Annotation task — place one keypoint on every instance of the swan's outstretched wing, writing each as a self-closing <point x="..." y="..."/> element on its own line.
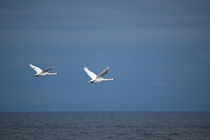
<point x="90" y="73"/>
<point x="46" y="70"/>
<point x="37" y="69"/>
<point x="105" y="71"/>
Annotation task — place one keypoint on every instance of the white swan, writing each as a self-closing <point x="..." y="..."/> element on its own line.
<point x="40" y="72"/>
<point x="97" y="78"/>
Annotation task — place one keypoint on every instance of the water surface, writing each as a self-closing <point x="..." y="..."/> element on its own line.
<point x="104" y="125"/>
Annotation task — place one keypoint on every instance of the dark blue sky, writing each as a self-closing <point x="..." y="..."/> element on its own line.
<point x="159" y="52"/>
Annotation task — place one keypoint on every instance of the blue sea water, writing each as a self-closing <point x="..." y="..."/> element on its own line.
<point x="105" y="125"/>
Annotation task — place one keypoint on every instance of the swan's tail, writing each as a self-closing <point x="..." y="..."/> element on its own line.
<point x="91" y="81"/>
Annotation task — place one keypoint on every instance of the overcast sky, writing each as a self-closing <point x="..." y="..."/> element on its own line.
<point x="158" y="51"/>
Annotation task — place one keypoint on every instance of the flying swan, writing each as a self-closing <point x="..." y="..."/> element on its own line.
<point x="40" y="72"/>
<point x="97" y="78"/>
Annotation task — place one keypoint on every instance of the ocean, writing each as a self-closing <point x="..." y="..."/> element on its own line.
<point x="105" y="126"/>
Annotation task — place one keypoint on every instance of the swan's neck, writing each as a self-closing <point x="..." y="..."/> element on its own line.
<point x="110" y="79"/>
<point x="52" y="73"/>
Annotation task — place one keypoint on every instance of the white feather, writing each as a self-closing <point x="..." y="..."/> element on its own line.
<point x="97" y="78"/>
<point x="37" y="69"/>
<point x="90" y="73"/>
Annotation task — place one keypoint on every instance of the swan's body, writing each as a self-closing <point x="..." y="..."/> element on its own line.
<point x="40" y="72"/>
<point x="97" y="78"/>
